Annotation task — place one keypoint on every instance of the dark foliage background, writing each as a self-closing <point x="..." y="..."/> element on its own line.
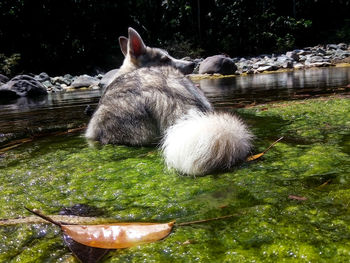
<point x="79" y="36"/>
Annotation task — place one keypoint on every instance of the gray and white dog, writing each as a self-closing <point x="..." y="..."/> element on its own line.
<point x="152" y="101"/>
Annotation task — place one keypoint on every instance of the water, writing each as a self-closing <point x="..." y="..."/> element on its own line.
<point x="261" y="88"/>
<point x="27" y="117"/>
<point x="57" y="111"/>
<point x="132" y="183"/>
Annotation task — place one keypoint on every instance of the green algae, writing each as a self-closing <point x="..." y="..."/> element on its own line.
<point x="133" y="184"/>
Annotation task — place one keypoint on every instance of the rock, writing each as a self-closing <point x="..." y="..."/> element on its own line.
<point x="284" y="61"/>
<point x="343" y="46"/>
<point x="68" y="76"/>
<point x="303" y="52"/>
<point x="3" y="79"/>
<point x="218" y="64"/>
<point x="42" y="77"/>
<point x="313" y="59"/>
<point x="197" y="61"/>
<point x="47" y="84"/>
<point x="84" y="81"/>
<point x="22" y="86"/>
<point x="298" y="66"/>
<point x="62" y="80"/>
<point x="332" y="46"/>
<point x="266" y="68"/>
<point x="293" y="55"/>
<point x="108" y="78"/>
<point x="318" y="64"/>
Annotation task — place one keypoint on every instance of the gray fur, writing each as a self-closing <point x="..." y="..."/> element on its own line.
<point x="138" y="106"/>
<point x="151" y="101"/>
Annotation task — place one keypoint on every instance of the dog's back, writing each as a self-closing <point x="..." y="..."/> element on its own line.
<point x="151" y="100"/>
<point x="139" y="106"/>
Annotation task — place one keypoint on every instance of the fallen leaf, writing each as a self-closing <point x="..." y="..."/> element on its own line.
<point x="84" y="253"/>
<point x="113" y="236"/>
<point x="121" y="235"/>
<point x="257" y="156"/>
<point x="254" y="157"/>
<point x="299" y="198"/>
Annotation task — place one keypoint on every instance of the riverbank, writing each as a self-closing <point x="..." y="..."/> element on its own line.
<point x="299" y="59"/>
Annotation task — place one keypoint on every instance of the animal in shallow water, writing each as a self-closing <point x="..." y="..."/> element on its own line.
<point x="151" y="101"/>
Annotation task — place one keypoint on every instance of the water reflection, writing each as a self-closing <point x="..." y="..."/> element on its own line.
<point x="276" y="86"/>
<point x="25" y="117"/>
<point x="66" y="109"/>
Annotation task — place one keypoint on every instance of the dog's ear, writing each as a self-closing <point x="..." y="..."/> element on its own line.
<point x="135" y="44"/>
<point x="123" y="43"/>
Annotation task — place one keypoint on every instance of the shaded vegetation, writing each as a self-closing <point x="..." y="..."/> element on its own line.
<point x="82" y="36"/>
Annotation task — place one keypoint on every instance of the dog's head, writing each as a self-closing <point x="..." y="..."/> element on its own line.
<point x="138" y="55"/>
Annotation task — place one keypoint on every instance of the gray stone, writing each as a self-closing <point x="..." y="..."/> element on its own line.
<point x="332" y="46"/>
<point x="319" y="64"/>
<point x="267" y="68"/>
<point x="343" y="46"/>
<point x="293" y="55"/>
<point x="108" y="78"/>
<point x="298" y="66"/>
<point x="218" y="64"/>
<point x="61" y="80"/>
<point x="47" y="83"/>
<point x="84" y="81"/>
<point x="3" y="79"/>
<point x="22" y="86"/>
<point x="313" y="59"/>
<point x="68" y="76"/>
<point x="42" y="77"/>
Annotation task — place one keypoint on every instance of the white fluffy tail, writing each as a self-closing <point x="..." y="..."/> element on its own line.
<point x="201" y="143"/>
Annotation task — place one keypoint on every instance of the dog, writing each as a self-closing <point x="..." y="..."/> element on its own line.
<point x="152" y="101"/>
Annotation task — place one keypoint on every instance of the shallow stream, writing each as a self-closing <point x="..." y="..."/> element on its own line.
<point x="293" y="204"/>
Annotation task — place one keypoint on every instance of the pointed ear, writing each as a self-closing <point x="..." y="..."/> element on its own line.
<point x="136" y="45"/>
<point x="123" y="43"/>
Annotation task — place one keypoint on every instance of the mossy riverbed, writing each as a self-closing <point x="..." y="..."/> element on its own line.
<point x="292" y="205"/>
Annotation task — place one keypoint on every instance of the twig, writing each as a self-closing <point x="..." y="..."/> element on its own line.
<point x="206" y="220"/>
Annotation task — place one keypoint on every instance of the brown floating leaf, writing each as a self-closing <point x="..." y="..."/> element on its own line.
<point x="257" y="156"/>
<point x="120" y="235"/>
<point x="299" y="198"/>
<point x="113" y="236"/>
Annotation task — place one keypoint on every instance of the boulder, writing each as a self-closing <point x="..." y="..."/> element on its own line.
<point x="22" y="86"/>
<point x="218" y="64"/>
<point x="293" y="55"/>
<point x="266" y="68"/>
<point x="42" y="77"/>
<point x="3" y="79"/>
<point x="61" y="80"/>
<point x="84" y="81"/>
<point x="298" y="66"/>
<point x="108" y="78"/>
